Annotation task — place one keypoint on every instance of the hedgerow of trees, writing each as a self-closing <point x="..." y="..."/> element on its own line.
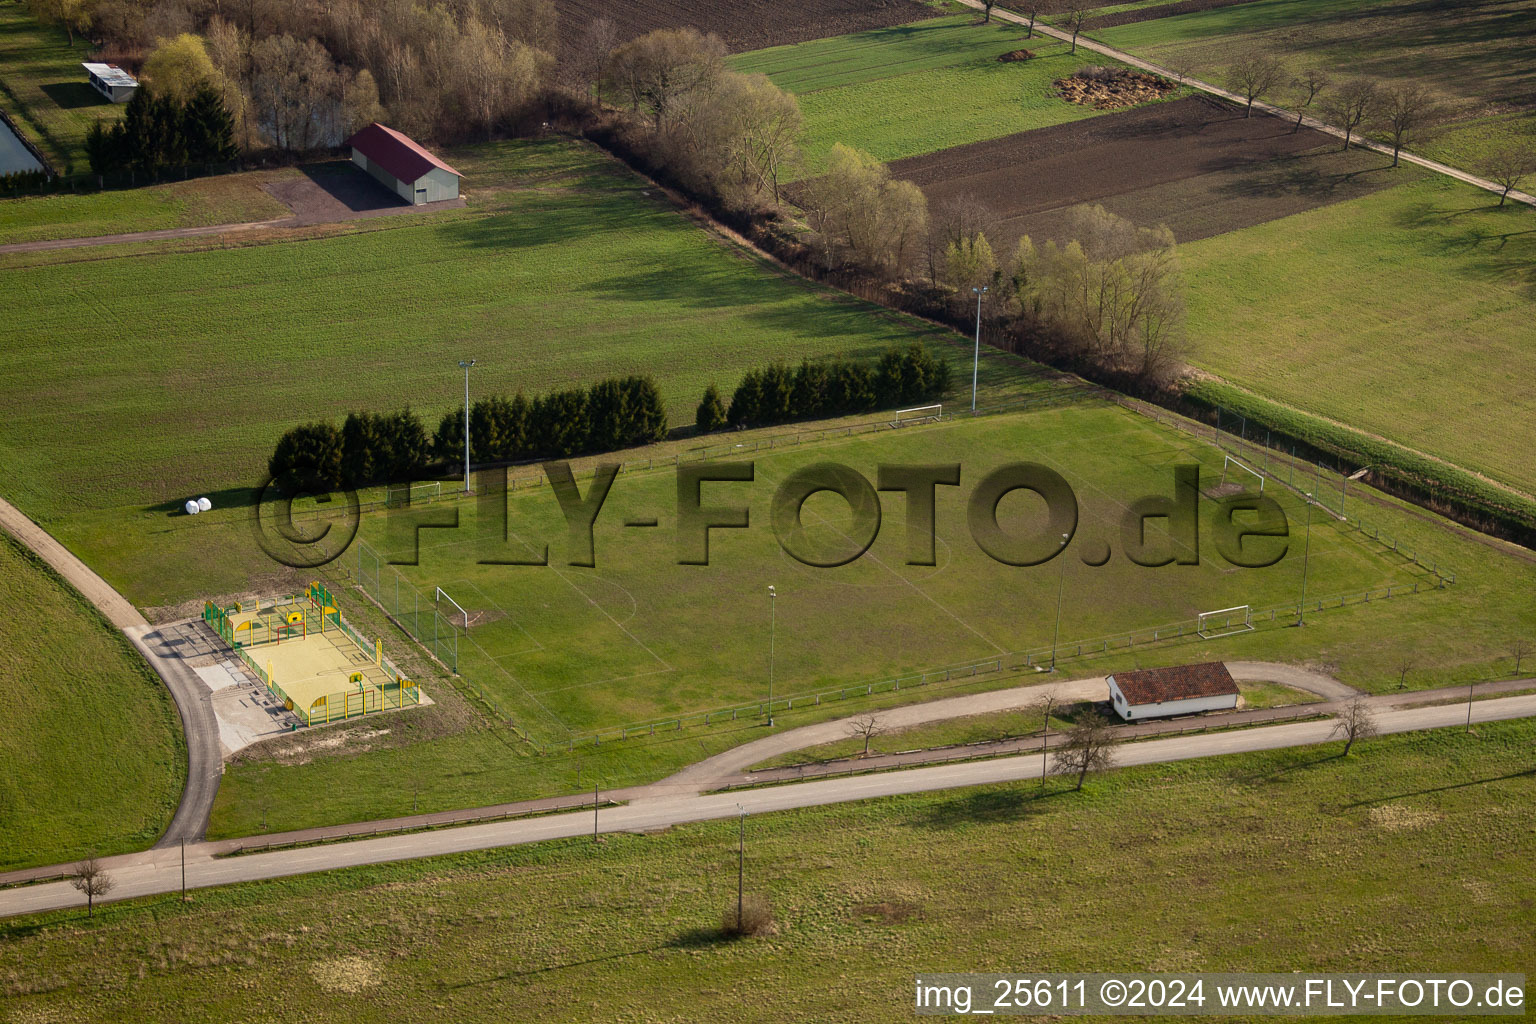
<point x="819" y="390"/>
<point x="373" y="448"/>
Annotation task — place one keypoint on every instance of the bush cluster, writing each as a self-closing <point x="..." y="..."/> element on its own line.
<point x="620" y="412"/>
<point x="840" y="387"/>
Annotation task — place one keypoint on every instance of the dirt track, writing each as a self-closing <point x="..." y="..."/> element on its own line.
<point x="1195" y="163"/>
<point x="743" y="24"/>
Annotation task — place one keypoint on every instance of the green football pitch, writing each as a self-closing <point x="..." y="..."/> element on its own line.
<point x="566" y="649"/>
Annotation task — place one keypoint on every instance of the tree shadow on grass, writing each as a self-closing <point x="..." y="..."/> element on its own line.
<point x="991" y="806"/>
<point x="1438" y="789"/>
<point x="1298" y="765"/>
<point x="691" y="939"/>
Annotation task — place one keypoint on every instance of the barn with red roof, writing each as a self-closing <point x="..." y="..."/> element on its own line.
<point x="1180" y="690"/>
<point x="403" y="166"/>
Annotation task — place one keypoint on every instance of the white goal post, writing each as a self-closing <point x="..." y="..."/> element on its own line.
<point x="1225" y="622"/>
<point x="441" y="596"/>
<point x="918" y="414"/>
<point x="396" y="495"/>
<point x="1230" y="461"/>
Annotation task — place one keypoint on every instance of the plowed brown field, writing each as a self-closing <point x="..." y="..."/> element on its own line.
<point x="743" y="24"/>
<point x="1194" y="164"/>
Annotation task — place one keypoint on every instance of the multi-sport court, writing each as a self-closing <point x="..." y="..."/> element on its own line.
<point x="308" y="657"/>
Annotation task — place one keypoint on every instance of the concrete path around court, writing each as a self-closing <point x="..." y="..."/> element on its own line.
<point x="160" y="871"/>
<point x="1356" y="139"/>
<point x="205" y="763"/>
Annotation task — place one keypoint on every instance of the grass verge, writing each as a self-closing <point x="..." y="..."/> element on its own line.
<point x="1424" y="838"/>
<point x="91" y="755"/>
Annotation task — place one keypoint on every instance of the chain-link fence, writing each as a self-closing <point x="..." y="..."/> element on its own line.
<point x="411" y="610"/>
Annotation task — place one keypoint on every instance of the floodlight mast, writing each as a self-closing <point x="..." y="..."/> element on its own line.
<point x="466" y="364"/>
<point x="976" y="361"/>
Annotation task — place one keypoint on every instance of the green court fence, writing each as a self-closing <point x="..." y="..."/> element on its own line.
<point x="317" y="608"/>
<point x="411" y="610"/>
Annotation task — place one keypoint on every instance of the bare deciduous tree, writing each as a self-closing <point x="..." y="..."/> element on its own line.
<point x="1404" y="666"/>
<point x="1508" y="165"/>
<point x="1356" y="722"/>
<point x="986" y="6"/>
<point x="1253" y="75"/>
<point x="1048" y="704"/>
<point x="1077" y="13"/>
<point x="660" y="67"/>
<point x="590" y="61"/>
<point x="952" y="221"/>
<point x="865" y="727"/>
<point x="1405" y="112"/>
<point x="1519" y="649"/>
<point x="90" y="878"/>
<point x="1088" y="747"/>
<point x="1349" y="105"/>
<point x="1307" y="86"/>
<point x="1034" y="11"/>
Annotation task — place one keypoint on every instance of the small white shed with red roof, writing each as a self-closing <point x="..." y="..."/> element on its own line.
<point x="402" y="166"/>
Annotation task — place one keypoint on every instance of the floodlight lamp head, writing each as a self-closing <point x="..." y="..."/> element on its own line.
<point x="772" y="592"/>
<point x="466" y="364"/>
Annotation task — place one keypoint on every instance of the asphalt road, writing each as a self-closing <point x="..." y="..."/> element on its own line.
<point x="159" y="871"/>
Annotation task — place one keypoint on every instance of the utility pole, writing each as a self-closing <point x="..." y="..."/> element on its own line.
<point x="741" y="862"/>
<point x="466" y="364"/>
<point x="1306" y="552"/>
<point x="976" y="362"/>
<point x="184" y="858"/>
<point x="772" y="628"/>
<point x="1061" y="587"/>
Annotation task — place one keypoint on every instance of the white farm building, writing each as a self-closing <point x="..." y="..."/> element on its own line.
<point x="1181" y="690"/>
<point x="111" y="81"/>
<point x="402" y="166"/>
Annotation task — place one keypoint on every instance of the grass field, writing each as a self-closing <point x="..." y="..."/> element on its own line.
<point x="1457" y="634"/>
<point x="1405" y="313"/>
<point x="226" y="199"/>
<point x="573" y="276"/>
<point x="915" y="89"/>
<point x="566" y="651"/>
<point x="1410" y="855"/>
<point x="1475" y="54"/>
<point x="91" y="755"/>
<point x="43" y="87"/>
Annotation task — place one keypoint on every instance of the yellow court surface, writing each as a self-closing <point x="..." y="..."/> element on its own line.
<point x="312" y="660"/>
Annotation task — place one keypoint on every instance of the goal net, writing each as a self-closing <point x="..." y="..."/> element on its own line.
<point x="1243" y="468"/>
<point x="1225" y="622"/>
<point x="398" y="495"/>
<point x="919" y="414"/>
